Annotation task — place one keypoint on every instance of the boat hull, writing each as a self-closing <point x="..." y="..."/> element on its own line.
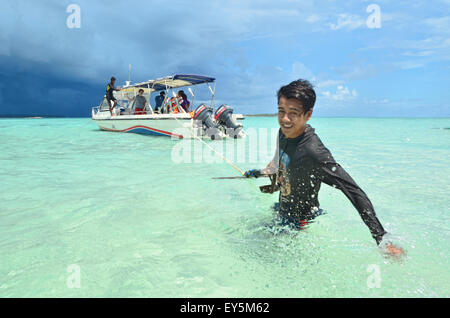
<point x="176" y="126"/>
<point x="155" y="127"/>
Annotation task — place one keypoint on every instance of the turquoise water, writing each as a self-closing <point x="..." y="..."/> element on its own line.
<point x="135" y="223"/>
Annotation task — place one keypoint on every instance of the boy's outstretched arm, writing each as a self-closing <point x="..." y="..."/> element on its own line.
<point x="334" y="175"/>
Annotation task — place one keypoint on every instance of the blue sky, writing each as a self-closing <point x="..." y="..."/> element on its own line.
<point x="251" y="47"/>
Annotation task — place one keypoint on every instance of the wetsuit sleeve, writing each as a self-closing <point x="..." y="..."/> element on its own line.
<point x="334" y="175"/>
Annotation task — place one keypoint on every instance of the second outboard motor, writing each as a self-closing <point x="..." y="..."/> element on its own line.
<point x="203" y="113"/>
<point x="224" y="117"/>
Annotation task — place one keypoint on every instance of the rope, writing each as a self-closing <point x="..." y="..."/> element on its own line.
<point x="220" y="154"/>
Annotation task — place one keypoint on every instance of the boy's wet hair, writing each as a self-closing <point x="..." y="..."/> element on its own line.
<point x="301" y="90"/>
<point x="141" y="90"/>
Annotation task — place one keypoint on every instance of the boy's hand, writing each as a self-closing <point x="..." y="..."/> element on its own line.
<point x="390" y="249"/>
<point x="254" y="173"/>
<point x="394" y="250"/>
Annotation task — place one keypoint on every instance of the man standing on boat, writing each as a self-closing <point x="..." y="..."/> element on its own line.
<point x="302" y="163"/>
<point x="110" y="88"/>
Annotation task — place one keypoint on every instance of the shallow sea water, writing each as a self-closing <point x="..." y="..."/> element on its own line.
<point x="136" y="223"/>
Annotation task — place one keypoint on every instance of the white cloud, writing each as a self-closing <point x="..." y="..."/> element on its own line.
<point x="313" y="18"/>
<point x="411" y="64"/>
<point x="429" y="43"/>
<point x="439" y="25"/>
<point x="358" y="70"/>
<point x="342" y="93"/>
<point x="328" y="83"/>
<point x="299" y="70"/>
<point x="347" y="21"/>
<point x="418" y="53"/>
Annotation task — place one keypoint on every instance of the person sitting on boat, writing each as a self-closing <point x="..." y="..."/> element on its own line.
<point x="159" y="101"/>
<point x="110" y="88"/>
<point x="185" y="103"/>
<point x="140" y="103"/>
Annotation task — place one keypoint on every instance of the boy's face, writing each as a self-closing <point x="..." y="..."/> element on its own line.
<point x="291" y="117"/>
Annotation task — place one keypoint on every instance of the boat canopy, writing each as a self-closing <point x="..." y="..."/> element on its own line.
<point x="174" y="81"/>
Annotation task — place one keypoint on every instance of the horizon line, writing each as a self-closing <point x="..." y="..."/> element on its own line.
<point x="245" y="115"/>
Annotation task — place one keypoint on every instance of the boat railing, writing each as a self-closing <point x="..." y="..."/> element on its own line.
<point x="97" y="112"/>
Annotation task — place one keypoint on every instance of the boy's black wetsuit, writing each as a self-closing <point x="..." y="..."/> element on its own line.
<point x="304" y="163"/>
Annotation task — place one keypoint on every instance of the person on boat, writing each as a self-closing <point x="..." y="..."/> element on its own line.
<point x="184" y="103"/>
<point x="302" y="163"/>
<point x="110" y="88"/>
<point x="159" y="101"/>
<point x="140" y="103"/>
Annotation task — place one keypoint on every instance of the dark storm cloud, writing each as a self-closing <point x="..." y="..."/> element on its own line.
<point x="43" y="58"/>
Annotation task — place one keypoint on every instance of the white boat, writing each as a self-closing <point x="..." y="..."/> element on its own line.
<point x="172" y="120"/>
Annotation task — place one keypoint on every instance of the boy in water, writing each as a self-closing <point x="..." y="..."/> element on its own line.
<point x="302" y="163"/>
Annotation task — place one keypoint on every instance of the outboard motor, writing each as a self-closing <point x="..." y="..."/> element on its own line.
<point x="224" y="117"/>
<point x="203" y="113"/>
